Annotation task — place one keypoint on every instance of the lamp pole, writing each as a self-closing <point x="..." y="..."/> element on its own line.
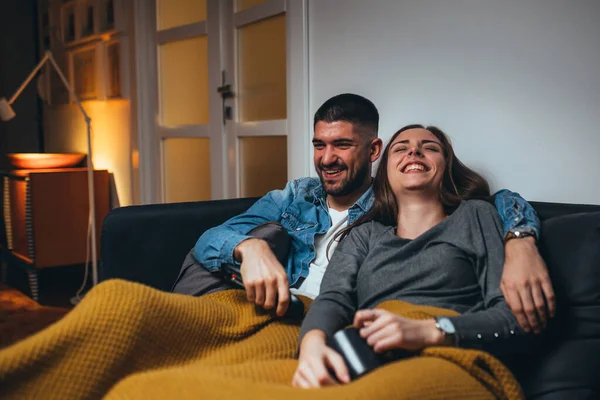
<point x="90" y="168"/>
<point x="6" y="112"/>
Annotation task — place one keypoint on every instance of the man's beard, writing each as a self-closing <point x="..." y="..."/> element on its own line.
<point x="347" y="185"/>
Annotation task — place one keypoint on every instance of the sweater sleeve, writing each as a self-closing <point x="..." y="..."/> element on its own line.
<point x="334" y="307"/>
<point x="493" y="328"/>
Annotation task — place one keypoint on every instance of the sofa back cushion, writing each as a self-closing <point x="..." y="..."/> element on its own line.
<point x="148" y="243"/>
<point x="568" y="363"/>
<point x="570" y="245"/>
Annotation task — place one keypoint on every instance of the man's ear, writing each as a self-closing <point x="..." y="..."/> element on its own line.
<point x="376" y="146"/>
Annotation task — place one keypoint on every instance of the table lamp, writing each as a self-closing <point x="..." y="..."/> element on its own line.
<point x="7" y="112"/>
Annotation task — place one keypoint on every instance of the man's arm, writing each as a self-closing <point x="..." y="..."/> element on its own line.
<point x="217" y="245"/>
<point x="265" y="279"/>
<point x="525" y="281"/>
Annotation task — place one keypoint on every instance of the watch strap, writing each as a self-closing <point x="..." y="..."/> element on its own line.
<point x="519" y="234"/>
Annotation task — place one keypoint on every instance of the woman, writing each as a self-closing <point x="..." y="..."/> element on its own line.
<point x="424" y="242"/>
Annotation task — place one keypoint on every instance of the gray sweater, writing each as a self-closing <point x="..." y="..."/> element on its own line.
<point x="457" y="264"/>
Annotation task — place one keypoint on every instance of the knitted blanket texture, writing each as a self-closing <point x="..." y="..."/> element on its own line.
<point x="129" y="341"/>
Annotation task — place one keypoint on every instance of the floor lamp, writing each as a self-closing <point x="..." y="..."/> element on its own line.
<point x="6" y="113"/>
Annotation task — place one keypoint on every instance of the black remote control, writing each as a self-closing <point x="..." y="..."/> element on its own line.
<point x="295" y="309"/>
<point x="360" y="358"/>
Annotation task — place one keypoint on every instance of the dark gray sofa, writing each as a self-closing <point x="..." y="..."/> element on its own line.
<point x="147" y="244"/>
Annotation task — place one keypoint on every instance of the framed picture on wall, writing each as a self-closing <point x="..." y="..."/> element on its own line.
<point x="58" y="92"/>
<point x="68" y="22"/>
<point x="84" y="73"/>
<point x="45" y="29"/>
<point x="113" y="55"/>
<point x="88" y="12"/>
<point x="107" y="15"/>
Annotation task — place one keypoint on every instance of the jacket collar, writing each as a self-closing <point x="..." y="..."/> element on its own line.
<point x="365" y="202"/>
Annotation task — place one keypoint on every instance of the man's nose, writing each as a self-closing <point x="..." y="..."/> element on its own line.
<point x="329" y="156"/>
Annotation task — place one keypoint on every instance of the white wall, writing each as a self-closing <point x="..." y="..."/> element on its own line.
<point x="515" y="83"/>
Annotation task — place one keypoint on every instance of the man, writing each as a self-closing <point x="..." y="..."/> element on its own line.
<point x="313" y="210"/>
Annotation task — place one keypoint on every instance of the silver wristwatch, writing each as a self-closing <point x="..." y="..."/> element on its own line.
<point x="446" y="326"/>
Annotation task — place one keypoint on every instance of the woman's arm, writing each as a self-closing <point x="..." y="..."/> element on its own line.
<point x="315" y="361"/>
<point x="332" y="310"/>
<point x="334" y="307"/>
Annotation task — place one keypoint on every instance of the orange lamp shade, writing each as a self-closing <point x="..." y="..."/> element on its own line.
<point x="45" y="160"/>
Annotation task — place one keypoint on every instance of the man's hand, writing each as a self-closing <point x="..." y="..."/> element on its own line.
<point x="315" y="361"/>
<point x="385" y="331"/>
<point x="264" y="278"/>
<point x="526" y="284"/>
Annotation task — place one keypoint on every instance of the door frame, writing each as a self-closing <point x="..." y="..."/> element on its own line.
<point x="146" y="132"/>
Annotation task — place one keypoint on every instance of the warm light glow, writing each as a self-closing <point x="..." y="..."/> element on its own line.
<point x="45" y="160"/>
<point x="135" y="159"/>
<point x="65" y="131"/>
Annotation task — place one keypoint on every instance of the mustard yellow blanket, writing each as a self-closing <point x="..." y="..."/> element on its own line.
<point x="129" y="341"/>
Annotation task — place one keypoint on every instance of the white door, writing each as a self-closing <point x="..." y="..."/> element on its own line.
<point x="222" y="117"/>
<point x="257" y="134"/>
<point x="189" y="126"/>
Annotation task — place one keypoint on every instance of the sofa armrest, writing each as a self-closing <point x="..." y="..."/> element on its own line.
<point x="148" y="243"/>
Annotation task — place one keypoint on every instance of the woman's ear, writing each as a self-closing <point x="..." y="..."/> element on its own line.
<point x="376" y="146"/>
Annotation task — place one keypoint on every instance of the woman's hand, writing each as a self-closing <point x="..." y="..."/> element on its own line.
<point x="385" y="331"/>
<point x="315" y="361"/>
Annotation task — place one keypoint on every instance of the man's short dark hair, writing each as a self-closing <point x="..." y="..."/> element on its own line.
<point x="352" y="108"/>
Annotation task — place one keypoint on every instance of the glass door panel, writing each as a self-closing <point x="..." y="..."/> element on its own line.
<point x="263" y="164"/>
<point x="186" y="166"/>
<point x="183" y="79"/>
<point x="211" y="44"/>
<point x="241" y="5"/>
<point x="174" y="13"/>
<point x="261" y="57"/>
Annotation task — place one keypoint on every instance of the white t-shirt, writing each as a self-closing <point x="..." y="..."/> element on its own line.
<point x="311" y="285"/>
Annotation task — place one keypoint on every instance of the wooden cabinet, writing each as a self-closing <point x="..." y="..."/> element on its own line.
<point x="46" y="215"/>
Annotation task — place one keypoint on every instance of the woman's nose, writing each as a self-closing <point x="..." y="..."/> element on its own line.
<point x="415" y="151"/>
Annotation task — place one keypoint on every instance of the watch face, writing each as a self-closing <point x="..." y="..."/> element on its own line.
<point x="446" y="325"/>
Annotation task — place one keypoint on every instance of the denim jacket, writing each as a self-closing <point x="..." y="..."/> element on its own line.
<point x="302" y="209"/>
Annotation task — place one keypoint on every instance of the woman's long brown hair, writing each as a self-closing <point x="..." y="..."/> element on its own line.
<point x="458" y="183"/>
